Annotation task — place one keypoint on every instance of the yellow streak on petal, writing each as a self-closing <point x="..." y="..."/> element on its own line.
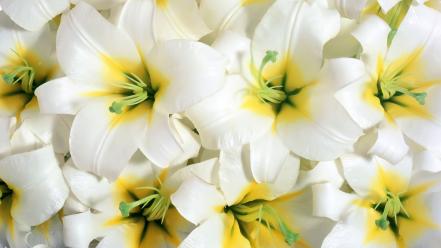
<point x="375" y="234"/>
<point x="249" y="2"/>
<point x="233" y="238"/>
<point x="253" y="104"/>
<point x="255" y="191"/>
<point x="142" y="110"/>
<point x="387" y="179"/>
<point x="159" y="82"/>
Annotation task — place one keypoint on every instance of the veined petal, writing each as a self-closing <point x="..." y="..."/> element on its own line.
<point x="33" y="14"/>
<point x="81" y="229"/>
<point x="240" y="16"/>
<point x="198" y="201"/>
<point x="186" y="138"/>
<point x="48" y="234"/>
<point x="4" y="134"/>
<point x="234" y="47"/>
<point x="323" y="172"/>
<point x="297" y="30"/>
<point x="178" y="19"/>
<point x="184" y="72"/>
<point x="102" y="142"/>
<point x="84" y="36"/>
<point x="223" y="122"/>
<point x="41" y="187"/>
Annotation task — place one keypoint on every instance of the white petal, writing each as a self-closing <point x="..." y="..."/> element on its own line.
<point x="4" y="134"/>
<point x="222" y="121"/>
<point x="361" y="173"/>
<point x="178" y="19"/>
<point x="198" y="201"/>
<point x="425" y="131"/>
<point x="365" y="112"/>
<point x="102" y="142"/>
<point x="349" y="8"/>
<point x="88" y="188"/>
<point x="99" y="4"/>
<point x="323" y="172"/>
<point x="330" y="202"/>
<point x="240" y="16"/>
<point x="234" y="47"/>
<point x="81" y="229"/>
<point x="33" y="14"/>
<point x="419" y="30"/>
<point x="159" y="143"/>
<point x="185" y="72"/>
<point x="372" y="34"/>
<point x="62" y="96"/>
<point x="427" y="161"/>
<point x="187" y="139"/>
<point x="41" y="187"/>
<point x="299" y="28"/>
<point x="137" y="19"/>
<point x="386" y="5"/>
<point x="50" y="234"/>
<point x="234" y="175"/>
<point x="89" y="47"/>
<point x="386" y="142"/>
<point x="287" y="177"/>
<point x="267" y="156"/>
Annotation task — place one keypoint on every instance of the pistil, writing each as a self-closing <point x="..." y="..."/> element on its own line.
<point x="392" y="86"/>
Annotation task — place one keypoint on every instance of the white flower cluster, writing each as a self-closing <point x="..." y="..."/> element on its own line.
<point x="220" y="123"/>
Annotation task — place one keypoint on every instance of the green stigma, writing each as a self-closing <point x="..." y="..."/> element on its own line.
<point x="392" y="208"/>
<point x="258" y="211"/>
<point x="266" y="90"/>
<point x="391" y="87"/>
<point x="22" y="74"/>
<point x="154" y="206"/>
<point x="136" y="91"/>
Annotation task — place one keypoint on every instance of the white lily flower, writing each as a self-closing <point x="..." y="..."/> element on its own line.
<point x="122" y="94"/>
<point x="134" y="211"/>
<point x="391" y="206"/>
<point x="32" y="190"/>
<point x="26" y="62"/>
<point x="401" y="84"/>
<point x="283" y="87"/>
<point x="255" y="207"/>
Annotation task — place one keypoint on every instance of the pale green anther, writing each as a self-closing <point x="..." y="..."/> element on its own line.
<point x="154" y="206"/>
<point x="263" y="213"/>
<point x="391" y="87"/>
<point x="24" y="75"/>
<point x="266" y="91"/>
<point x="139" y="91"/>
<point x="392" y="208"/>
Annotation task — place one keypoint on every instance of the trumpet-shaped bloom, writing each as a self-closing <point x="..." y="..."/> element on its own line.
<point x="134" y="211"/>
<point x="32" y="190"/>
<point x="282" y="87"/>
<point x="251" y="205"/>
<point x="391" y="206"/>
<point x="123" y="94"/>
<point x="401" y="85"/>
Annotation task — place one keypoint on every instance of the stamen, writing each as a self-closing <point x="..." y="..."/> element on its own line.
<point x="23" y="74"/>
<point x="154" y="206"/>
<point x="139" y="91"/>
<point x="392" y="208"/>
<point x="263" y="213"/>
<point x="266" y="91"/>
<point x="390" y="88"/>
